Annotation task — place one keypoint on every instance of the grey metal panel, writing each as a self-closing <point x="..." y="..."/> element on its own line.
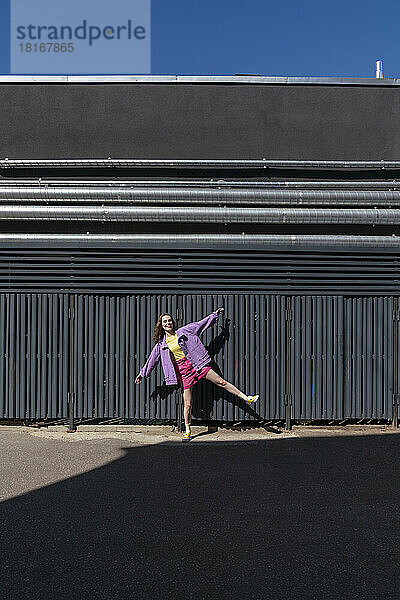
<point x="43" y="352"/>
<point x="124" y="271"/>
<point x="107" y="365"/>
<point x="236" y="358"/>
<point x="347" y="393"/>
<point x="131" y="349"/>
<point x="340" y="359"/>
<point x="368" y="340"/>
<point x="341" y="371"/>
<point x="10" y="352"/>
<point x="388" y="362"/>
<point x="79" y="357"/>
<point x="297" y="349"/>
<point x="121" y="355"/>
<point x="317" y="356"/>
<point x="110" y="403"/>
<point x="228" y="409"/>
<point x="234" y="348"/>
<point x="33" y="371"/>
<point x="282" y="349"/>
<point x="328" y="363"/>
<point x="3" y="363"/>
<point x="200" y="132"/>
<point x="341" y="363"/>
<point x="359" y="351"/>
<point x="273" y="336"/>
<point x="107" y="380"/>
<point x="240" y="356"/>
<point x="307" y="371"/>
<point x="89" y="372"/>
<point x="333" y="381"/>
<point x="20" y="364"/>
<point x="396" y="327"/>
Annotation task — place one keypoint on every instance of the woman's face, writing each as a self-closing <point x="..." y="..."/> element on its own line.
<point x="167" y="323"/>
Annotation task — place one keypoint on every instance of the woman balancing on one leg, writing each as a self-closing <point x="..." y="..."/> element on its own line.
<point x="184" y="358"/>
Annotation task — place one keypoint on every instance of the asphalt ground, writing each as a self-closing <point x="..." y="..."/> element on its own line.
<point x="108" y="513"/>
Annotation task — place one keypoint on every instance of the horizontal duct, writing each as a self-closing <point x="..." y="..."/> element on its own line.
<point x="362" y="243"/>
<point x="199" y="164"/>
<point x="203" y="214"/>
<point x="205" y="196"/>
<point x="47" y="184"/>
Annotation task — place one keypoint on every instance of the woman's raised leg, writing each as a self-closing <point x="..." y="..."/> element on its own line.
<point x="215" y="378"/>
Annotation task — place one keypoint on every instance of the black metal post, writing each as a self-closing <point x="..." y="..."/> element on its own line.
<point x="395" y="405"/>
<point x="179" y="323"/>
<point x="288" y="395"/>
<point x="71" y="393"/>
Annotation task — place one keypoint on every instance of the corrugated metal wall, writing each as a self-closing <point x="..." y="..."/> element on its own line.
<point x="341" y="355"/>
<point x="33" y="355"/>
<point x="113" y="340"/>
<point x="342" y="271"/>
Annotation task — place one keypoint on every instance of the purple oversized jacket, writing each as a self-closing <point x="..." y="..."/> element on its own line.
<point x="190" y="344"/>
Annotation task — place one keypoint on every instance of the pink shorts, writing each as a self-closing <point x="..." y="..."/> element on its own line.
<point x="187" y="374"/>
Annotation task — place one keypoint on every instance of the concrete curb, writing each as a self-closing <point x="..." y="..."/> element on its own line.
<point x="156" y="434"/>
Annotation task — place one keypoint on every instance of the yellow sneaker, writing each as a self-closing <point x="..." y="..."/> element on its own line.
<point x="186" y="436"/>
<point x="252" y="399"/>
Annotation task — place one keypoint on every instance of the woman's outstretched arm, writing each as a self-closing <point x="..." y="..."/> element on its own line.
<point x="198" y="327"/>
<point x="150" y="363"/>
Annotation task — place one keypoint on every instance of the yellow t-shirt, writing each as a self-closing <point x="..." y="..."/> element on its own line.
<point x="172" y="343"/>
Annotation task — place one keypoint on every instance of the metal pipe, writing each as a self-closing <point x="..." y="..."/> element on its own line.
<point x="202" y="214"/>
<point x="205" y="196"/>
<point x="197" y="79"/>
<point x="378" y="69"/>
<point x="372" y="243"/>
<point x="112" y="185"/>
<point x="197" y="164"/>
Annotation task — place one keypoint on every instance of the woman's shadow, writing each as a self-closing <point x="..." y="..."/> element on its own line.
<point x="206" y="392"/>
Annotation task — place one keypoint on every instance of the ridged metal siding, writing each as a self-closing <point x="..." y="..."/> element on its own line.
<point x="113" y="271"/>
<point x="33" y="355"/>
<point x="341" y="356"/>
<point x="108" y="358"/>
<point x="112" y="340"/>
<point x="250" y="354"/>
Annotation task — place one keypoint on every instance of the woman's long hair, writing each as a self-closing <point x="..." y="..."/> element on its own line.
<point x="158" y="330"/>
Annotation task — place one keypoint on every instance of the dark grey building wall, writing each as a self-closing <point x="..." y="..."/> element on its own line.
<point x="340" y="355"/>
<point x="199" y="121"/>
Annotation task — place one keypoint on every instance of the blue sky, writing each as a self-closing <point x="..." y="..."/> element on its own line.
<point x="285" y="38"/>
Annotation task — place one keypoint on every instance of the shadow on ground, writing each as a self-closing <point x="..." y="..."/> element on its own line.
<point x="288" y="518"/>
